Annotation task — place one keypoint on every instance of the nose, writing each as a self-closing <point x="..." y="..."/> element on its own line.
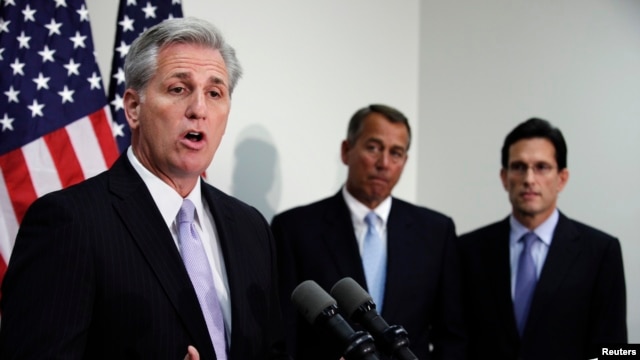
<point x="197" y="106"/>
<point x="383" y="160"/>
<point x="529" y="175"/>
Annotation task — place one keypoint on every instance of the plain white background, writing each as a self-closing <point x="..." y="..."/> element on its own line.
<point x="464" y="72"/>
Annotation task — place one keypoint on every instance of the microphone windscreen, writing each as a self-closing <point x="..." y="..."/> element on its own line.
<point x="311" y="300"/>
<point x="350" y="295"/>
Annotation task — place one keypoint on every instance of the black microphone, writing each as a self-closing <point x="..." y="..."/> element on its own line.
<point x="320" y="309"/>
<point x="359" y="307"/>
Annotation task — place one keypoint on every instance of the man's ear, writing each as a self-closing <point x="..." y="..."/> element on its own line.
<point x="344" y="150"/>
<point x="131" y="104"/>
<point x="503" y="178"/>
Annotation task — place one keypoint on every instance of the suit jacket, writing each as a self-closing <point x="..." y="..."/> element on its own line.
<point x="578" y="303"/>
<point x="317" y="242"/>
<point x="96" y="274"/>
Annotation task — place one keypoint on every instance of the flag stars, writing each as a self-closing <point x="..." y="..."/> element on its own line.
<point x="1" y="51"/>
<point x="4" y="25"/>
<point x="9" y="2"/>
<point x="127" y="24"/>
<point x="117" y="103"/>
<point x="72" y="67"/>
<point x="7" y="122"/>
<point x="12" y="95"/>
<point x="84" y="13"/>
<point x="29" y="14"/>
<point x="123" y="49"/>
<point x="62" y="3"/>
<point x="47" y="54"/>
<point x="117" y="129"/>
<point x="17" y="67"/>
<point x="54" y="27"/>
<point x="119" y="76"/>
<point x="23" y="40"/>
<point x="66" y="94"/>
<point x="36" y="108"/>
<point x="42" y="82"/>
<point x="95" y="81"/>
<point x="131" y="3"/>
<point x="78" y="40"/>
<point x="174" y="2"/>
<point x="149" y="11"/>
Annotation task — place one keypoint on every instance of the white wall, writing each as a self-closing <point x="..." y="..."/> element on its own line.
<point x="470" y="70"/>
<point x="487" y="66"/>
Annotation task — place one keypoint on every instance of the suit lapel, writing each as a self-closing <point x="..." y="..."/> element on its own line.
<point x="562" y="253"/>
<point x="499" y="276"/>
<point x="140" y="215"/>
<point x="401" y="254"/>
<point x="340" y="240"/>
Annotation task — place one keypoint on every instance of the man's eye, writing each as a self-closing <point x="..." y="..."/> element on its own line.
<point x="214" y="94"/>
<point x="542" y="168"/>
<point x="177" y="90"/>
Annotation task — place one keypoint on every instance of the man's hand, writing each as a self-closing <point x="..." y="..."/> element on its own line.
<point x="192" y="354"/>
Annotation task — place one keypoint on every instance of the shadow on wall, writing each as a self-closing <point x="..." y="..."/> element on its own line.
<point x="256" y="175"/>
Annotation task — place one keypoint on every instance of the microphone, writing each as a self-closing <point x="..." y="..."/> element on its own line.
<point x="320" y="309"/>
<point x="359" y="307"/>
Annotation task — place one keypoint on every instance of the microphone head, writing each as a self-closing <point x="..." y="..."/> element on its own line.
<point x="350" y="295"/>
<point x="311" y="300"/>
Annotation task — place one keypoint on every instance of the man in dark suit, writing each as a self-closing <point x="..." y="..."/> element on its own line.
<point x="97" y="269"/>
<point x="576" y="298"/>
<point x="325" y="242"/>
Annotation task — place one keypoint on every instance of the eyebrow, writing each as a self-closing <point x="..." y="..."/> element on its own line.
<point x="212" y="79"/>
<point x="381" y="142"/>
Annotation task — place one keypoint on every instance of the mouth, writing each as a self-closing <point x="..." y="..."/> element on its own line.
<point x="194" y="136"/>
<point x="376" y="179"/>
<point x="528" y="194"/>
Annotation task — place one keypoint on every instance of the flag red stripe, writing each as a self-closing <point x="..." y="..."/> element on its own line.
<point x="64" y="157"/>
<point x="18" y="181"/>
<point x="102" y="128"/>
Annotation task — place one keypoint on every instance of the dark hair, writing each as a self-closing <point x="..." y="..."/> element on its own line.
<point x="393" y="115"/>
<point x="536" y="128"/>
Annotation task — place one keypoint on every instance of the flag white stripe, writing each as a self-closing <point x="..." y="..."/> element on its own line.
<point x="41" y="167"/>
<point x="8" y="222"/>
<point x="87" y="148"/>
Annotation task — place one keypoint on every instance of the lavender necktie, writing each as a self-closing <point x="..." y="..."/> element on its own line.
<point x="195" y="260"/>
<point x="374" y="261"/>
<point x="526" y="279"/>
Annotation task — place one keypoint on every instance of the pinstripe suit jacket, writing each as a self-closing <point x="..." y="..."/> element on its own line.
<point x="422" y="291"/>
<point x="95" y="274"/>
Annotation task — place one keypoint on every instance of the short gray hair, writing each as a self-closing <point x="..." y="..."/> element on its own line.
<point x="392" y="114"/>
<point x="141" y="61"/>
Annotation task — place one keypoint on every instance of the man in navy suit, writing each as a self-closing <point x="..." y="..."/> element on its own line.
<point x="324" y="241"/>
<point x="96" y="271"/>
<point x="577" y="301"/>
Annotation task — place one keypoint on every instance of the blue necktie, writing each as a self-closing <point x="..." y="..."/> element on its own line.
<point x="197" y="264"/>
<point x="526" y="279"/>
<point x="374" y="261"/>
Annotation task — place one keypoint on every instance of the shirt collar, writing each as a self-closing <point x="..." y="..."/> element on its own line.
<point x="544" y="231"/>
<point x="166" y="198"/>
<point x="359" y="210"/>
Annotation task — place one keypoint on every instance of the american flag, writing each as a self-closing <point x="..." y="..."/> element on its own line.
<point x="54" y="119"/>
<point x="134" y="16"/>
